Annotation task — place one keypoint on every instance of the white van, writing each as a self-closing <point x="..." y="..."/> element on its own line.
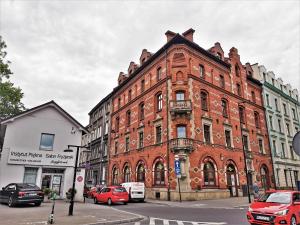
<point x="136" y="190"/>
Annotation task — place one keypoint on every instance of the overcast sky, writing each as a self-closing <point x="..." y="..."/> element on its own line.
<point x="72" y="51"/>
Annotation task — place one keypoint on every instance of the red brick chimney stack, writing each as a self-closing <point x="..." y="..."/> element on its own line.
<point x="169" y="34"/>
<point x="189" y="34"/>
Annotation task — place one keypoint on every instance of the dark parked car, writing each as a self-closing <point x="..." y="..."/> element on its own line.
<point x="20" y="193"/>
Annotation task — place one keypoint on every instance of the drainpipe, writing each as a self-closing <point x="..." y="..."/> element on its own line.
<point x="168" y="146"/>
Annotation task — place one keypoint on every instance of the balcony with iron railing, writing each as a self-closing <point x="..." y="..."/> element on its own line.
<point x="180" y="106"/>
<point x="182" y="144"/>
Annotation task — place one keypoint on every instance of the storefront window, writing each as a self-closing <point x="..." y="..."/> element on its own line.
<point x="30" y="175"/>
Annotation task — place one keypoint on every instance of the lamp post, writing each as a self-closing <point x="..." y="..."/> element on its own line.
<point x="244" y="153"/>
<point x="71" y="207"/>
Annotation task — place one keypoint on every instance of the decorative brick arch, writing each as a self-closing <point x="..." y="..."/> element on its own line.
<point x="138" y="175"/>
<point x="115" y="174"/>
<point x="165" y="174"/>
<point x="126" y="177"/>
<point x="209" y="159"/>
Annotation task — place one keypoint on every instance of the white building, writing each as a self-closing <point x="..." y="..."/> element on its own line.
<point x="282" y="115"/>
<point x="33" y="149"/>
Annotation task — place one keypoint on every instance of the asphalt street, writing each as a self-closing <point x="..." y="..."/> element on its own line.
<point x="158" y="214"/>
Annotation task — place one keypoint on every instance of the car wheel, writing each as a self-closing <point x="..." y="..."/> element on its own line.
<point x="109" y="202"/>
<point x="293" y="220"/>
<point x="95" y="201"/>
<point x="125" y="203"/>
<point x="11" y="201"/>
<point x="37" y="203"/>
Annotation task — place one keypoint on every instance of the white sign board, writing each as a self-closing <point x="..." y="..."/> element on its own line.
<point x="41" y="158"/>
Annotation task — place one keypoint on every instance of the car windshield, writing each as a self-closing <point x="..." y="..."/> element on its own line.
<point x="28" y="186"/>
<point x="119" y="189"/>
<point x="276" y="197"/>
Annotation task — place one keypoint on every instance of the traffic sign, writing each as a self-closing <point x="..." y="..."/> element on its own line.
<point x="296" y="143"/>
<point x="79" y="179"/>
<point x="177" y="168"/>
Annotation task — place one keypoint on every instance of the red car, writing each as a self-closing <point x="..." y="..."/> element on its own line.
<point x="275" y="208"/>
<point x="112" y="195"/>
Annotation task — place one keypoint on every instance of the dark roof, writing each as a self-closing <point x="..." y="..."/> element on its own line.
<point x="40" y="107"/>
<point x="101" y="102"/>
<point x="177" y="39"/>
<point x="255" y="81"/>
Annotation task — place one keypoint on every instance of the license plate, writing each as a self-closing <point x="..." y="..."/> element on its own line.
<point x="32" y="194"/>
<point x="122" y="199"/>
<point x="265" y="218"/>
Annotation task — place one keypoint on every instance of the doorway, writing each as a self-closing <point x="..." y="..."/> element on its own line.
<point x="232" y="180"/>
<point x="53" y="179"/>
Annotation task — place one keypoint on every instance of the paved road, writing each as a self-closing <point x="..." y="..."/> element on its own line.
<point x="158" y="214"/>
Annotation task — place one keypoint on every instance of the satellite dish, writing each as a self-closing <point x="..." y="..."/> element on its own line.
<point x="296" y="143"/>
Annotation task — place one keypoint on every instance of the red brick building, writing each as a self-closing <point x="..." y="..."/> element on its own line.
<point x="197" y="104"/>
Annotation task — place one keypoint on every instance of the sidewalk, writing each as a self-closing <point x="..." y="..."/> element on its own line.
<point x="235" y="202"/>
<point x="84" y="214"/>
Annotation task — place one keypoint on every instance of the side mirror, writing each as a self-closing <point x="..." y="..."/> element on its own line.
<point x="3" y="189"/>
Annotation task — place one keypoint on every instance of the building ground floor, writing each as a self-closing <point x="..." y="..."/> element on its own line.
<point x="206" y="173"/>
<point x="56" y="175"/>
<point x="287" y="174"/>
<point x="96" y="173"/>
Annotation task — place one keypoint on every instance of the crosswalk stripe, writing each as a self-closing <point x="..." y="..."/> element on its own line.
<point x="152" y="221"/>
<point x="180" y="223"/>
<point x="166" y="222"/>
<point x="137" y="223"/>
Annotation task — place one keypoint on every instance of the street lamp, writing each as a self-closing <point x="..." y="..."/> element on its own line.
<point x="244" y="153"/>
<point x="74" y="177"/>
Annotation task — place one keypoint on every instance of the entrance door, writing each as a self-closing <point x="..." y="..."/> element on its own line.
<point x="231" y="180"/>
<point x="53" y="179"/>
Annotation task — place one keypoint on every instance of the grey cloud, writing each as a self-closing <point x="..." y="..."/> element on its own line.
<point x="72" y="51"/>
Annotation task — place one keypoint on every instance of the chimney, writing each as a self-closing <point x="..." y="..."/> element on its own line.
<point x="189" y="34"/>
<point x="170" y="35"/>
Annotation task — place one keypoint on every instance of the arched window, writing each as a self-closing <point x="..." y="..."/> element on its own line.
<point x="224" y="105"/>
<point x="242" y="114"/>
<point x="201" y="71"/>
<point x="238" y="89"/>
<point x="140" y="175"/>
<point x="264" y="172"/>
<point x="159" y="174"/>
<point x="253" y="96"/>
<point x="158" y="74"/>
<point x="142" y="111"/>
<point x="237" y="70"/>
<point x="204" y="100"/>
<point x="128" y="118"/>
<point x="209" y="174"/>
<point x="129" y="95"/>
<point x="256" y="118"/>
<point x="159" y="102"/>
<point x="117" y="125"/>
<point x="115" y="175"/>
<point x="127" y="174"/>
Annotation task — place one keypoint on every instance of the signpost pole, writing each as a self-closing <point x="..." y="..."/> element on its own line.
<point x="179" y="189"/>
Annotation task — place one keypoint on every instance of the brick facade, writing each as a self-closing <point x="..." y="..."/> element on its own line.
<point x="199" y="92"/>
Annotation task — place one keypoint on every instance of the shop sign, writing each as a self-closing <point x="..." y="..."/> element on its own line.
<point x="41" y="158"/>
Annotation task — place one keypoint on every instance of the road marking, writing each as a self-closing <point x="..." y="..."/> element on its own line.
<point x="137" y="223"/>
<point x="166" y="222"/>
<point x="179" y="222"/>
<point x="152" y="221"/>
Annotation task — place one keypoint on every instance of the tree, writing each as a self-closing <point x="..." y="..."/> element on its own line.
<point x="10" y="96"/>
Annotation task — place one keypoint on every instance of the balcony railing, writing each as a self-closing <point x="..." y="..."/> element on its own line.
<point x="178" y="144"/>
<point x="180" y="106"/>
